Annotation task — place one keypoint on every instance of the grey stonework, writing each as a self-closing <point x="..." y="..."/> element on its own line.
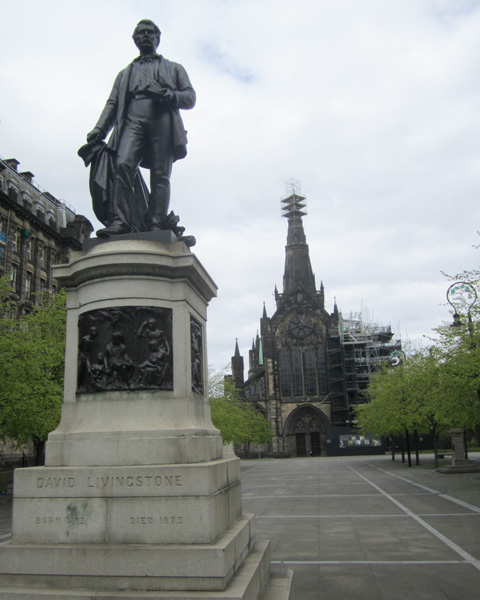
<point x="309" y="368"/>
<point x="38" y="230"/>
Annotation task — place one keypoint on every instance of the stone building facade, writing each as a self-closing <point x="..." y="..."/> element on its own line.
<point x="36" y="232"/>
<point x="308" y="368"/>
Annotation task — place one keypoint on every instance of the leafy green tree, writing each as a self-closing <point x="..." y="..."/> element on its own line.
<point x="389" y="413"/>
<point x="32" y="351"/>
<point x="434" y="390"/>
<point x="427" y="388"/>
<point x="237" y="420"/>
<point x="412" y="397"/>
<point x="7" y="305"/>
<point x="458" y="347"/>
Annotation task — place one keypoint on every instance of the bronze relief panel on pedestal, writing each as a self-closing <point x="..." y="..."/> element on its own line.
<point x="125" y="348"/>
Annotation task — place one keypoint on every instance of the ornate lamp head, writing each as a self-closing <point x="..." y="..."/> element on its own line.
<point x="461" y="296"/>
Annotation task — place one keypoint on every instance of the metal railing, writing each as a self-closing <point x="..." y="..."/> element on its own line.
<point x="15" y="460"/>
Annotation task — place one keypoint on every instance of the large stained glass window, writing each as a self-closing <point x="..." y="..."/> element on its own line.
<point x="285" y="378"/>
<point x="302" y="371"/>
<point x="309" y="371"/>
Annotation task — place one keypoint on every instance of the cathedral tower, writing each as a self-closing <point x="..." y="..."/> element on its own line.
<point x="303" y="363"/>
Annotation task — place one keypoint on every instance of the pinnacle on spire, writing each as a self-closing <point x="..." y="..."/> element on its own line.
<point x="264" y="315"/>
<point x="237" y="366"/>
<point x="294" y="203"/>
<point x="298" y="269"/>
<point x="335" y="307"/>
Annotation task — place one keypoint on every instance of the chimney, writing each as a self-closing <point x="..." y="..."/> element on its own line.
<point x="28" y="176"/>
<point x="12" y="163"/>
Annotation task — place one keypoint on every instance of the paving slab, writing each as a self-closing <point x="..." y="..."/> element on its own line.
<point x="367" y="528"/>
<point x="363" y="527"/>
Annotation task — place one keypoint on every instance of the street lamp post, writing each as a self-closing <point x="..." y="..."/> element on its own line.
<point x="461" y="296"/>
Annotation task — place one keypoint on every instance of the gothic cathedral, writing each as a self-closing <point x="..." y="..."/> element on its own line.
<point x="309" y="368"/>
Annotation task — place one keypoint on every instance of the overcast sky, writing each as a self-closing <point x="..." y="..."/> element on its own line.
<point x="373" y="105"/>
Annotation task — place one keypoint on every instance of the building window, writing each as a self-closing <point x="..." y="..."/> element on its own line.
<point x="14" y="278"/>
<point x="43" y="289"/>
<point x="16" y="244"/>
<point x="303" y="371"/>
<point x="321" y="370"/>
<point x="285" y="374"/>
<point x="309" y="370"/>
<point x="28" y="285"/>
<point x="3" y="236"/>
<point x="41" y="253"/>
<point x="27" y="201"/>
<point x="30" y="249"/>
<point x="296" y="371"/>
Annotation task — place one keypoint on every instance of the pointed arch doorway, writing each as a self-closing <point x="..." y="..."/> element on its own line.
<point x="306" y="432"/>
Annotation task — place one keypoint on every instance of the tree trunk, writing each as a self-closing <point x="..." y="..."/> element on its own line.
<point x="465" y="443"/>
<point x="39" y="446"/>
<point x="408" y="448"/>
<point x="435" y="446"/>
<point x="415" y="439"/>
<point x="393" y="448"/>
<point x="402" y="448"/>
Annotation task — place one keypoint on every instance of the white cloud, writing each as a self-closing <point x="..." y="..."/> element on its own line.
<point x="372" y="105"/>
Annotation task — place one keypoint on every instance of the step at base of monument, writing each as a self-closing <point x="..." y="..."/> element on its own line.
<point x="129" y="566"/>
<point x="150" y="504"/>
<point x="251" y="582"/>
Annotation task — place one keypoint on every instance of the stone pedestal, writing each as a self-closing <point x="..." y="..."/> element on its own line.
<point x="459" y="463"/>
<point x="136" y="499"/>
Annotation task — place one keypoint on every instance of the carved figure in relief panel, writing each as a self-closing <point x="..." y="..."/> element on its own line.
<point x="84" y="351"/>
<point x="125" y="348"/>
<point x="118" y="364"/>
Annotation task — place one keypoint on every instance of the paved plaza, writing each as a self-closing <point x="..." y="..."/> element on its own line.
<point x="363" y="527"/>
<point x="359" y="528"/>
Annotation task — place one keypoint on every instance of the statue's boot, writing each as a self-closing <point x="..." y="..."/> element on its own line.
<point x="116" y="228"/>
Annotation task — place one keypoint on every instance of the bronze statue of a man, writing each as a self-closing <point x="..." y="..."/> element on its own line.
<point x="143" y="110"/>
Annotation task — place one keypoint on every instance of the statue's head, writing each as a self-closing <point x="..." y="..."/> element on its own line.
<point x="146" y="36"/>
<point x="117" y="337"/>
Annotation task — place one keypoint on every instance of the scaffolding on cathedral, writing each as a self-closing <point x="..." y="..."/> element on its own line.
<point x="366" y="347"/>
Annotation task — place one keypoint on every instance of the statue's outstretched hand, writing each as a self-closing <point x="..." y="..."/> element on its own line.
<point x="160" y="94"/>
<point x="167" y="96"/>
<point x="96" y="135"/>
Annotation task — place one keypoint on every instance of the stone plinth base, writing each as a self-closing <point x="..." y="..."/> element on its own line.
<point x="137" y="500"/>
<point x="135" y="532"/>
<point x="162" y="504"/>
<point x="251" y="581"/>
<point x="468" y="466"/>
<point x="459" y="463"/>
<point x="149" y="567"/>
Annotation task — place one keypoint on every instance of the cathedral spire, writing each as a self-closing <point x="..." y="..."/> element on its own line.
<point x="298" y="268"/>
<point x="237" y="367"/>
